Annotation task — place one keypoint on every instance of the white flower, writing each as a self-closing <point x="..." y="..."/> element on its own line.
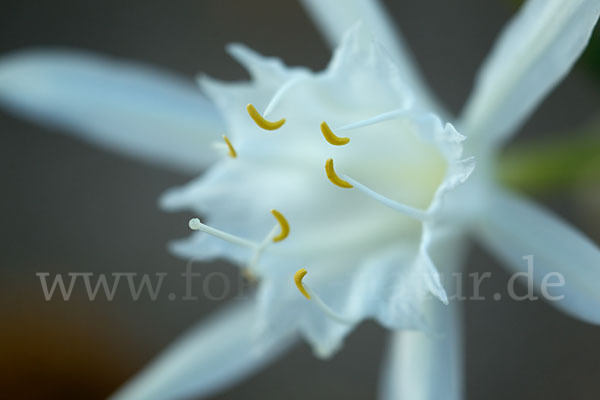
<point x="358" y="247"/>
<point x="371" y="246"/>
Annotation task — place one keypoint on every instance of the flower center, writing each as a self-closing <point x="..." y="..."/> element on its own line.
<point x="391" y="159"/>
<point x="388" y="161"/>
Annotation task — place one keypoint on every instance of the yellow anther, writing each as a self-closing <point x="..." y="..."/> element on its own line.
<point x="283" y="224"/>
<point x="331" y="137"/>
<point x="232" y="152"/>
<point x="298" y="279"/>
<point x="249" y="276"/>
<point x="263" y="123"/>
<point x="333" y="177"/>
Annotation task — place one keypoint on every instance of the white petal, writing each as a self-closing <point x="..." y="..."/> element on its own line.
<point x="426" y="365"/>
<point x="385" y="286"/>
<point x="535" y="51"/>
<point x="513" y="228"/>
<point x="264" y="71"/>
<point x="213" y="355"/>
<point x="335" y="17"/>
<point x="121" y="105"/>
<point x="231" y="98"/>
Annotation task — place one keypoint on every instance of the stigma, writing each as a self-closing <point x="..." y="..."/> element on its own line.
<point x="278" y="233"/>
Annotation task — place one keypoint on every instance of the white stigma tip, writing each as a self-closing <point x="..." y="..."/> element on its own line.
<point x="194" y="224"/>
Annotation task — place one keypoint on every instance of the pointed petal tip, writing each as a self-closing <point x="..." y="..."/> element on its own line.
<point x="121" y="105"/>
<point x="213" y="355"/>
<point x="533" y="53"/>
<point x="170" y="200"/>
<point x="519" y="228"/>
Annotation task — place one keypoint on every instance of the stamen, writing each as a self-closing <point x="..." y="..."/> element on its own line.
<point x="333" y="177"/>
<point x="249" y="276"/>
<point x="257" y="248"/>
<point x="232" y="152"/>
<point x="219" y="146"/>
<point x="261" y="248"/>
<point x="298" y="279"/>
<point x="196" y="225"/>
<point x="263" y="123"/>
<point x="283" y="224"/>
<point x="331" y="137"/>
<point x="400" y="207"/>
<point x="279" y="94"/>
<point x="310" y="294"/>
<point x="374" y="120"/>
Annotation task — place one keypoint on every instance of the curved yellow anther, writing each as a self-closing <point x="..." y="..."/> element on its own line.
<point x="263" y="123"/>
<point x="333" y="177"/>
<point x="298" y="279"/>
<point x="232" y="152"/>
<point x="283" y="224"/>
<point x="331" y="137"/>
<point x="249" y="276"/>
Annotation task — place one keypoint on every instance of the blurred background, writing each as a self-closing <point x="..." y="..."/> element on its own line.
<point x="67" y="206"/>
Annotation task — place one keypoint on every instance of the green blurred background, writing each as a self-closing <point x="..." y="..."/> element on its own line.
<point x="67" y="206"/>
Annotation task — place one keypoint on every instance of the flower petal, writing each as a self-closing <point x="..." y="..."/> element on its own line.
<point x="121" y="105"/>
<point x="213" y="355"/>
<point x="514" y="228"/>
<point x="535" y="51"/>
<point x="426" y="365"/>
<point x="388" y="286"/>
<point x="335" y="17"/>
<point x="231" y="98"/>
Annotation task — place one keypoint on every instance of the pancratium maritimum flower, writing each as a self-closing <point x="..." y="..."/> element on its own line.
<point x="346" y="187"/>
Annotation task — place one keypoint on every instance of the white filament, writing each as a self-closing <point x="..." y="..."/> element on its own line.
<point x="196" y="225"/>
<point x="409" y="211"/>
<point x="326" y="309"/>
<point x="261" y="248"/>
<point x="279" y="93"/>
<point x="386" y="116"/>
